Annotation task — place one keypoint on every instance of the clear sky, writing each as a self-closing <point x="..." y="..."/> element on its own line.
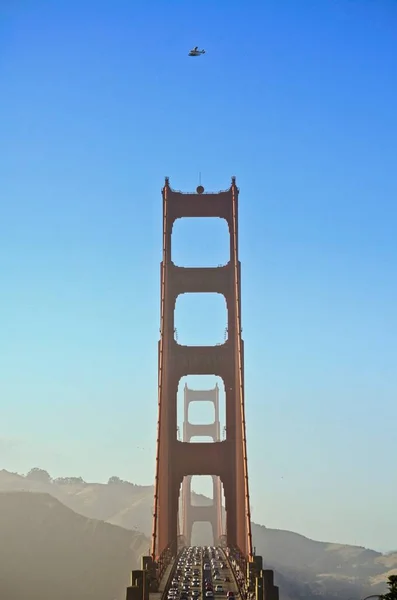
<point x="98" y="102"/>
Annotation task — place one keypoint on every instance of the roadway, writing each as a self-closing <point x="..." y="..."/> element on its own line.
<point x="202" y="573"/>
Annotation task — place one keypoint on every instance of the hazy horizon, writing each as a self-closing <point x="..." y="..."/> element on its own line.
<point x="298" y="101"/>
<point x="105" y="480"/>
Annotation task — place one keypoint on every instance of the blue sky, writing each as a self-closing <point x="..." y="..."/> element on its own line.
<point x="98" y="102"/>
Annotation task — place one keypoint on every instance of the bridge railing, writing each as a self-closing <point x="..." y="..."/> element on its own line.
<point x="167" y="556"/>
<point x="238" y="564"/>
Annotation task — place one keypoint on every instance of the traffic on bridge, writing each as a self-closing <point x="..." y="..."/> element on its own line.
<point x="202" y="573"/>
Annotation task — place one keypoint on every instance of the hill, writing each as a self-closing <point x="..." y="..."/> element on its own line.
<point x="48" y="552"/>
<point x="303" y="566"/>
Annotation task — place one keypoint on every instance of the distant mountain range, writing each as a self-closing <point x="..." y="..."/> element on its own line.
<point x="99" y="531"/>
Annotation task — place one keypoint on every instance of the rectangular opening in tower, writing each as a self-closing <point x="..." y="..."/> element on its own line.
<point x="201" y="510"/>
<point x="202" y="490"/>
<point x="202" y="534"/>
<point x="200" y="242"/>
<point x="200" y="319"/>
<point x="201" y="413"/>
<point x="201" y="401"/>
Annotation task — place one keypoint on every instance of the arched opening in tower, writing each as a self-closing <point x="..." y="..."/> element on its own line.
<point x="201" y="512"/>
<point x="201" y="401"/>
<point x="201" y="412"/>
<point x="200" y="242"/>
<point x="200" y="319"/>
<point x="202" y="534"/>
<point x="202" y="490"/>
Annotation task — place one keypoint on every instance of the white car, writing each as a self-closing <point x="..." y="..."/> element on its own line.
<point x="219" y="589"/>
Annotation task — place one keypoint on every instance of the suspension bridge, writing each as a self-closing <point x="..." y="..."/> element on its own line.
<point x="178" y="459"/>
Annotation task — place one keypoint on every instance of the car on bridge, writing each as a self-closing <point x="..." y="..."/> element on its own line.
<point x="219" y="589"/>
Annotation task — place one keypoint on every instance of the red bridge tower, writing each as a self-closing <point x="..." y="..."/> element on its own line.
<point x="176" y="459"/>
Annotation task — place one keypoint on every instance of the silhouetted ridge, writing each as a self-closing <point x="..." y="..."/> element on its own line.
<point x="47" y="551"/>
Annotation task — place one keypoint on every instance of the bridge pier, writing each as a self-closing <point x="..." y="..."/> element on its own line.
<point x="151" y="580"/>
<point x="270" y="591"/>
<point x="261" y="581"/>
<point x="139" y="588"/>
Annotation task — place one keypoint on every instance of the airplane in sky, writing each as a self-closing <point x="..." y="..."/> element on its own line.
<point x="196" y="52"/>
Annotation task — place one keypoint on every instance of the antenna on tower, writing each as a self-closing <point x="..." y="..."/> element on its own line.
<point x="199" y="188"/>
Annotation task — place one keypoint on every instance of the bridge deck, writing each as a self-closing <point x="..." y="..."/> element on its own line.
<point x="190" y="575"/>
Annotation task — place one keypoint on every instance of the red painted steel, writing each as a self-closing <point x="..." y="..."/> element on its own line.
<point x="226" y="459"/>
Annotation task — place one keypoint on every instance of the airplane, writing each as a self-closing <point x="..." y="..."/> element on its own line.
<point x="196" y="52"/>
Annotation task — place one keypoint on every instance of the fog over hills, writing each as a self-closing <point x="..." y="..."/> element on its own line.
<point x="105" y="519"/>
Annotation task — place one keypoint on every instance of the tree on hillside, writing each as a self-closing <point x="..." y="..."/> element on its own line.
<point x="69" y="480"/>
<point x="39" y="475"/>
<point x="392" y="585"/>
<point x="114" y="480"/>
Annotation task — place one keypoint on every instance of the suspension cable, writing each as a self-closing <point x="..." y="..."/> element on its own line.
<point x="160" y="377"/>
<point x="240" y="374"/>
